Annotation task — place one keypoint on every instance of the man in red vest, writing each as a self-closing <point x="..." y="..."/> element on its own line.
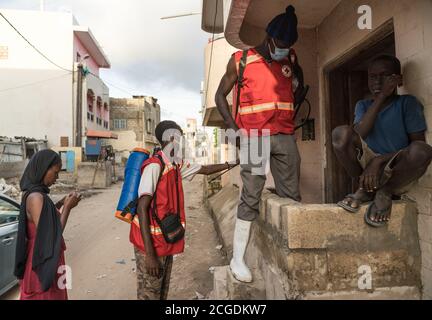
<point x="265" y="113"/>
<point x="161" y="194"/>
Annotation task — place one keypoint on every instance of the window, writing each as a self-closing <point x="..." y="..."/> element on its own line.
<point x="8" y="213"/>
<point x="120" y="124"/>
<point x="90" y="100"/>
<point x="4" y="53"/>
<point x="149" y="126"/>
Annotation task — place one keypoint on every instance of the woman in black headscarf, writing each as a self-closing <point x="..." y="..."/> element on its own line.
<point x="40" y="245"/>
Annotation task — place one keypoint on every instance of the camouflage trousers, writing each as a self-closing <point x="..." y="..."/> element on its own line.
<point x="148" y="286"/>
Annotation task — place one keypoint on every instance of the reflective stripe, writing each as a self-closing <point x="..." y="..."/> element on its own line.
<point x="289" y="106"/>
<point x="257" y="108"/>
<point x="156" y="231"/>
<point x="250" y="59"/>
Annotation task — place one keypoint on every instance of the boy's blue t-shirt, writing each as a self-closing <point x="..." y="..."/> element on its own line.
<point x="393" y="124"/>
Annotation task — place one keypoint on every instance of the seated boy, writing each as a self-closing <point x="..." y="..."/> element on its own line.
<point x="386" y="146"/>
<point x="161" y="193"/>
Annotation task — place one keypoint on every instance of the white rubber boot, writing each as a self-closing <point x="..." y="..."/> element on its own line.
<point x="238" y="266"/>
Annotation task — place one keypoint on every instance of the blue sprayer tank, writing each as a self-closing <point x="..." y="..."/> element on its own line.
<point x="131" y="183"/>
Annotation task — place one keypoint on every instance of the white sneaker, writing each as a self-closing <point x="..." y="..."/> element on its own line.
<point x="238" y="267"/>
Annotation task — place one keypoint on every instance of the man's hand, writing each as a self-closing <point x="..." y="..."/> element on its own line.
<point x="370" y="178"/>
<point x="390" y="85"/>
<point x="153" y="266"/>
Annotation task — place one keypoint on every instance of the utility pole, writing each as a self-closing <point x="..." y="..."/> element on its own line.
<point x="78" y="137"/>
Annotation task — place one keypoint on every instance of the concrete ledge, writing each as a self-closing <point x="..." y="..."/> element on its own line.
<point x="335" y="228"/>
<point x="87" y="170"/>
<point x="301" y="251"/>
<point x="395" y="293"/>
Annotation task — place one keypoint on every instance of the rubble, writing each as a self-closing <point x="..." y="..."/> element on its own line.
<point x="10" y="189"/>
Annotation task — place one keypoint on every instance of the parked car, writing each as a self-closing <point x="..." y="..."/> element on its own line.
<point x="9" y="212"/>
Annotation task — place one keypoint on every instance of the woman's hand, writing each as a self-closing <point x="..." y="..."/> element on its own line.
<point x="72" y="200"/>
<point x="153" y="266"/>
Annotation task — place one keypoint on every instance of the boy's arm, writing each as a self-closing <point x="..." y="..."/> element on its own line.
<point x="152" y="262"/>
<point x="365" y="126"/>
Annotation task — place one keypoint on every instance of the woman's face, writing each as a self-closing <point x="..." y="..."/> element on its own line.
<point x="51" y="175"/>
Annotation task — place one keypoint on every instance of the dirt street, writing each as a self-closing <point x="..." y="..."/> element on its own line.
<point x="102" y="259"/>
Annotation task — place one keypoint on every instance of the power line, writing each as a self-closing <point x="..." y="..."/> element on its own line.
<point x="111" y="84"/>
<point x="131" y="94"/>
<point x="37" y="50"/>
<point x="34" y="83"/>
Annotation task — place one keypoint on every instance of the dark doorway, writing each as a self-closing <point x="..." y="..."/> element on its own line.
<point x="347" y="84"/>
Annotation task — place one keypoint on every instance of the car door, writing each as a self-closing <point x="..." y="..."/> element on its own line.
<point x="9" y="213"/>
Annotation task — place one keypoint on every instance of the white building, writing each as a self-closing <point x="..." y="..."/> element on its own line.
<point x="38" y="98"/>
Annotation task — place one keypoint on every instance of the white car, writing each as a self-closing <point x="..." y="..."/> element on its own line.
<point x="9" y="212"/>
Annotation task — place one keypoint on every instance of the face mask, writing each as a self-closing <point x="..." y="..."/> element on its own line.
<point x="279" y="53"/>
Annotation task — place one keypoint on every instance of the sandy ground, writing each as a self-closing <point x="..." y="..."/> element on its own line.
<point x="102" y="259"/>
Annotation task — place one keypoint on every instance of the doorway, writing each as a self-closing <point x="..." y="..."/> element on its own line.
<point x="347" y="83"/>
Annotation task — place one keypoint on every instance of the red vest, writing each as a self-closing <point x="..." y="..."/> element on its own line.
<point x="266" y="98"/>
<point x="166" y="197"/>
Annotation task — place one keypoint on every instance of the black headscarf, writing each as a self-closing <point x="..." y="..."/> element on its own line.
<point x="47" y="245"/>
<point x="284" y="27"/>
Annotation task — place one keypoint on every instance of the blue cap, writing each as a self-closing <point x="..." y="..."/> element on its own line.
<point x="284" y="27"/>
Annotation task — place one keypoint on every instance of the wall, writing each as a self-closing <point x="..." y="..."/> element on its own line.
<point x="222" y="52"/>
<point x="100" y="90"/>
<point x="338" y="34"/>
<point x="133" y="110"/>
<point x="36" y="96"/>
<point x="311" y="186"/>
<point x="90" y="62"/>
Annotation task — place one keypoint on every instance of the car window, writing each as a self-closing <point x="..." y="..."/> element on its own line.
<point x="8" y="212"/>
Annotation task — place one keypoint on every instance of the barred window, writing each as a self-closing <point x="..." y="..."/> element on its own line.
<point x="120" y="124"/>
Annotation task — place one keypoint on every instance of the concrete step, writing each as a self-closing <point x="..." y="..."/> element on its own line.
<point x="226" y="287"/>
<point x="220" y="290"/>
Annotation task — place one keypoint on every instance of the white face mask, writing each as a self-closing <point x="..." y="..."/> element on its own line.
<point x="279" y="53"/>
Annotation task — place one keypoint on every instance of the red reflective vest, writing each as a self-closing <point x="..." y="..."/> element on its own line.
<point x="166" y="203"/>
<point x="266" y="98"/>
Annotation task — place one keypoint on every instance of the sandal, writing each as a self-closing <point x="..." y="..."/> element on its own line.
<point x="376" y="224"/>
<point x="351" y="196"/>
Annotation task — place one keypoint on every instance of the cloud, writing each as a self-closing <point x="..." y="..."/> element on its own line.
<point x="149" y="56"/>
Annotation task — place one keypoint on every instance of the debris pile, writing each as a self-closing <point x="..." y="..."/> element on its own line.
<point x="10" y="188"/>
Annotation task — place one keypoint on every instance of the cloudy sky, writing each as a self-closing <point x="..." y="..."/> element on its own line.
<point x="149" y="56"/>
